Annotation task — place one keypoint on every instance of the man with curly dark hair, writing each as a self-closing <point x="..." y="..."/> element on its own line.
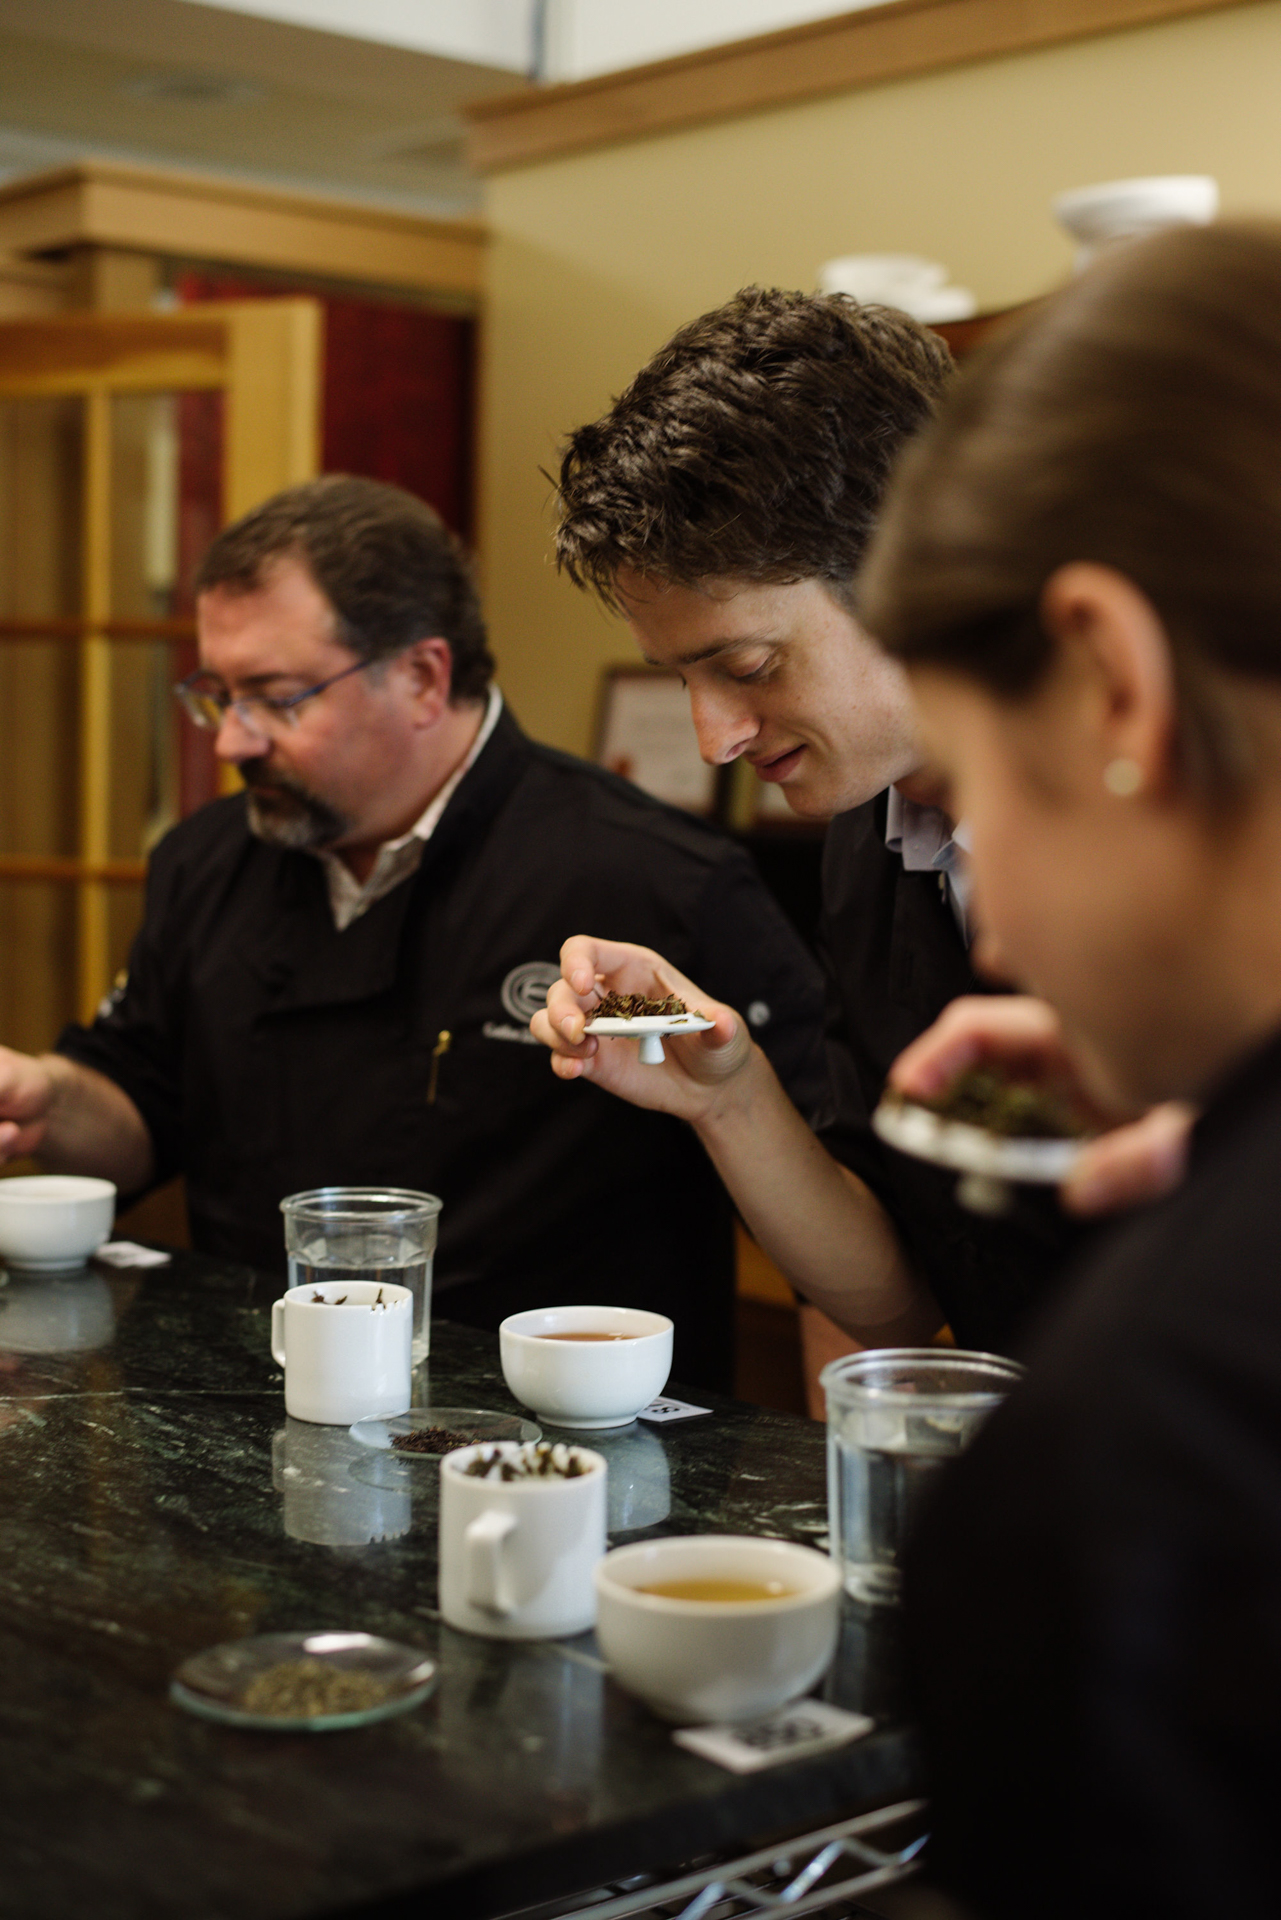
<point x="723" y="506"/>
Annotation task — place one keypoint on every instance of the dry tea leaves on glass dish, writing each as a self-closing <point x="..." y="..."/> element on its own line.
<point x="431" y="1440"/>
<point x="634" y="1006"/>
<point x="1015" y="1111"/>
<point x="303" y="1682"/>
<point x="301" y="1689"/>
<point x="544" y="1461"/>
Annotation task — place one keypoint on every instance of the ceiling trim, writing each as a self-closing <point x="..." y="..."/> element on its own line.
<point x="836" y="55"/>
<point x="96" y="203"/>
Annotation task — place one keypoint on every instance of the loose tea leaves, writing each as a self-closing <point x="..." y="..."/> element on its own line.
<point x="634" y="1006"/>
<point x="542" y="1461"/>
<point x="304" y="1689"/>
<point x="323" y="1300"/>
<point x="431" y="1440"/>
<point x="982" y="1098"/>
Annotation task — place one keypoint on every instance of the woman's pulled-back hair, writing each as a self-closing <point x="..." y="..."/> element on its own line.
<point x="1133" y="421"/>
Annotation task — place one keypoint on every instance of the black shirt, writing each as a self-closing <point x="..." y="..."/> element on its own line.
<point x="894" y="958"/>
<point x="1094" y="1594"/>
<point x="269" y="1052"/>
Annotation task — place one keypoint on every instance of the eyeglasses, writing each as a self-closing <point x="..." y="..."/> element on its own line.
<point x="208" y="703"/>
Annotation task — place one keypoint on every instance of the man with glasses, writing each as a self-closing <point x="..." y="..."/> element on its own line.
<point x="337" y="968"/>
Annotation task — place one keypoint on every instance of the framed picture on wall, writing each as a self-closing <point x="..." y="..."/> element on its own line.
<point x="644" y="732"/>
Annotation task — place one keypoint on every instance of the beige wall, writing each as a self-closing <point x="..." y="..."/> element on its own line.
<point x="596" y="258"/>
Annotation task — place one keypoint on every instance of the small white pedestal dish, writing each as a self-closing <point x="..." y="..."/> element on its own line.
<point x="987" y="1162"/>
<point x="583" y="1383"/>
<point x="650" y="1029"/>
<point x="52" y="1222"/>
<point x="693" y="1661"/>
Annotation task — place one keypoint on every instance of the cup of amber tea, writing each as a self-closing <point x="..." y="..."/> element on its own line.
<point x="586" y="1367"/>
<point x="717" y="1626"/>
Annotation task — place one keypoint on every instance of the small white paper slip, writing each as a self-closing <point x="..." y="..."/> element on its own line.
<point x="793" y="1733"/>
<point x="128" y="1253"/>
<point x="662" y="1409"/>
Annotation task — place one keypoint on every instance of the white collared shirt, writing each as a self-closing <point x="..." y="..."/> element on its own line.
<point x="926" y="842"/>
<point x="397" y="859"/>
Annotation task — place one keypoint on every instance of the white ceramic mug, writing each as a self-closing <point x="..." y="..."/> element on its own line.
<point x="573" y="1381"/>
<point x="517" y="1556"/>
<point x="346" y="1355"/>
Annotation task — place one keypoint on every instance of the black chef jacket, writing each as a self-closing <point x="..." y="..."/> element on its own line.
<point x="894" y="958"/>
<point x="1094" y="1592"/>
<point x="268" y="1052"/>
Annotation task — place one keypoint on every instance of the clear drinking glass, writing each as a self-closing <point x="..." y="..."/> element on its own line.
<point x="384" y="1234"/>
<point x="895" y="1415"/>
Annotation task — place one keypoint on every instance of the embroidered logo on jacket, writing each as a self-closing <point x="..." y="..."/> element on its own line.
<point x="524" y="990"/>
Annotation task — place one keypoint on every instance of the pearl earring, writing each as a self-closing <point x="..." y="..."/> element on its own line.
<point x="1123" y="778"/>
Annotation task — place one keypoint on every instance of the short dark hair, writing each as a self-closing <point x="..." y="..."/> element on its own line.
<point x="387" y="564"/>
<point x="755" y="446"/>
<point x="1133" y="420"/>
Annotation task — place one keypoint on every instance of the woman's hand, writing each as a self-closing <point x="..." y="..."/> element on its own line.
<point x="1129" y="1161"/>
<point x="698" y="1067"/>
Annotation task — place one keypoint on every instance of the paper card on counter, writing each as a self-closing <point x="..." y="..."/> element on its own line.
<point x="793" y="1733"/>
<point x="660" y="1410"/>
<point x="128" y="1253"/>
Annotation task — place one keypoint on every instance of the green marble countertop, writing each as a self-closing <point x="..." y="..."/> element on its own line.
<point x="157" y="1500"/>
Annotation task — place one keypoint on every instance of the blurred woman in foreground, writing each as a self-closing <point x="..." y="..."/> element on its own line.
<point x="1081" y="568"/>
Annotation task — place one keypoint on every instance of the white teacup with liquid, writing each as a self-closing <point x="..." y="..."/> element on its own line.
<point x="345" y="1349"/>
<point x="586" y="1367"/>
<point x="517" y="1555"/>
<point x="709" y="1627"/>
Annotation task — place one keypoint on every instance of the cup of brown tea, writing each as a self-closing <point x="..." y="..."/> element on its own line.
<point x="713" y="1626"/>
<point x="586" y="1367"/>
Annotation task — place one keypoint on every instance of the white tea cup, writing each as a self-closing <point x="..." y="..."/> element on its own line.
<point x="345" y="1349"/>
<point x="53" y="1222"/>
<point x="694" y="1659"/>
<point x="517" y="1556"/>
<point x="586" y="1367"/>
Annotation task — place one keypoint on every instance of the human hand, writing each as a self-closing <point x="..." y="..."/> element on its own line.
<point x="1127" y="1163"/>
<point x="696" y="1068"/>
<point x="26" y="1095"/>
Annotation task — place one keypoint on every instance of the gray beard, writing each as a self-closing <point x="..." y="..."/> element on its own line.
<point x="286" y="815"/>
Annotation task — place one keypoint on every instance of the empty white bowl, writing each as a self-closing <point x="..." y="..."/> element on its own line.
<point x="693" y="1661"/>
<point x="51" y="1222"/>
<point x="586" y="1383"/>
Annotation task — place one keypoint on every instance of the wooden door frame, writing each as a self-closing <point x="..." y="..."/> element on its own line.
<point x="265" y="356"/>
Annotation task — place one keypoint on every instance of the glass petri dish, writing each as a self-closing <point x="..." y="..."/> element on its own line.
<point x="214" y="1684"/>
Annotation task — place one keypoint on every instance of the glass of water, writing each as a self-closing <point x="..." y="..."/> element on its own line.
<point x="384" y="1234"/>
<point x="895" y="1415"/>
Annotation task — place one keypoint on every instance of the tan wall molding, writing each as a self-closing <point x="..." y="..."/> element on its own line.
<point x="102" y="205"/>
<point x="801" y="63"/>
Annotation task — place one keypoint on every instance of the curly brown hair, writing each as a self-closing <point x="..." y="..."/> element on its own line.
<point x="754" y="446"/>
<point x="387" y="564"/>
